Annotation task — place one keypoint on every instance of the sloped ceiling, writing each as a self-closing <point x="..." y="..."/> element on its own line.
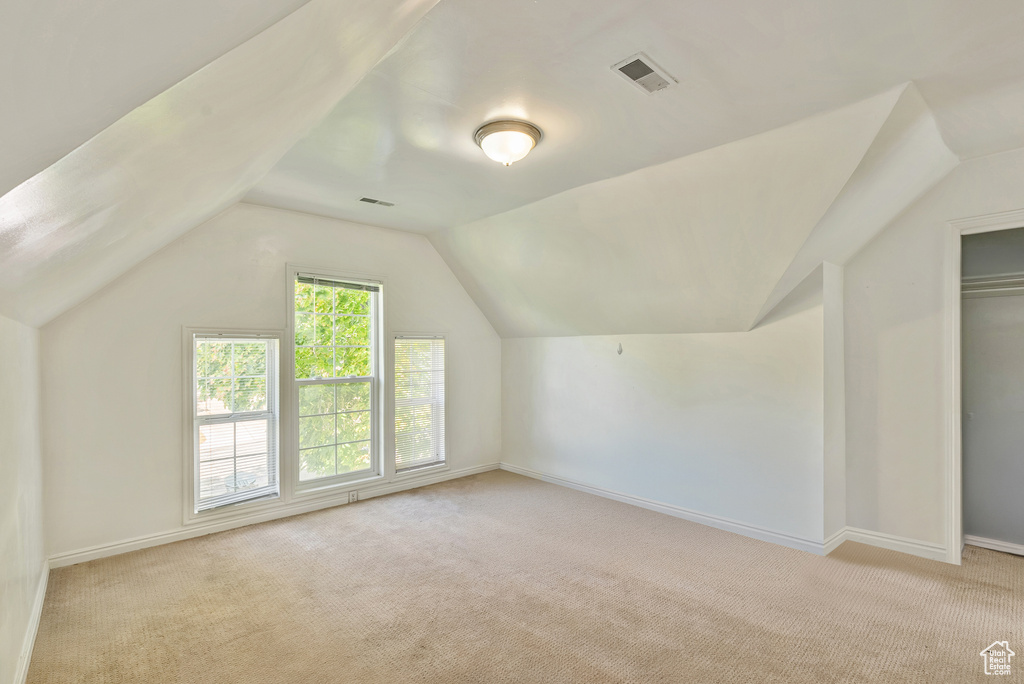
<point x="744" y="67"/>
<point x="69" y="69"/>
<point x="692" y="245"/>
<point x="186" y="154"/>
<point x="906" y="159"/>
<point x="695" y="209"/>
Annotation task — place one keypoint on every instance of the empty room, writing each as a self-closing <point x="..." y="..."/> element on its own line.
<point x="528" y="341"/>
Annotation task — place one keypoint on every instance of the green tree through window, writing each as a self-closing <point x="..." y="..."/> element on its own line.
<point x="335" y="370"/>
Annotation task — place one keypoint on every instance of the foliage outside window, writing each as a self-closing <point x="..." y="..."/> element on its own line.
<point x="235" y="419"/>
<point x="335" y="369"/>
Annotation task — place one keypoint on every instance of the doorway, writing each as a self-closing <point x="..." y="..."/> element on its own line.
<point x="992" y="388"/>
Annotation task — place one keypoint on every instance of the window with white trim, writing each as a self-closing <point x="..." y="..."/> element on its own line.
<point x="235" y="419"/>
<point x="419" y="402"/>
<point x="337" y="377"/>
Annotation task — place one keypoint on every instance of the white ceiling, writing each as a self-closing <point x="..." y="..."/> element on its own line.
<point x="906" y="159"/>
<point x="692" y="245"/>
<point x="69" y="68"/>
<point x="186" y="154"/>
<point x="745" y="67"/>
<point x="673" y="191"/>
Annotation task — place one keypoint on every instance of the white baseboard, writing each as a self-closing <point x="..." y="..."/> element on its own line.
<point x="745" y="529"/>
<point x="104" y="550"/>
<point x="882" y="540"/>
<point x="834" y="540"/>
<point x="29" y="642"/>
<point x="994" y="544"/>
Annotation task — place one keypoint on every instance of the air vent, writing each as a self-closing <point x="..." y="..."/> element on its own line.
<point x="641" y="71"/>
<point x="370" y="200"/>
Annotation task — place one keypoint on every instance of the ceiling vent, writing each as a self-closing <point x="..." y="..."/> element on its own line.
<point x="641" y="71"/>
<point x="370" y="200"/>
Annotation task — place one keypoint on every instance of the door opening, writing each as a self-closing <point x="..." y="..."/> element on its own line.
<point x="992" y="388"/>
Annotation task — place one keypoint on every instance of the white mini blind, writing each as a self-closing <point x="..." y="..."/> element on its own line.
<point x="235" y="420"/>
<point x="419" y="402"/>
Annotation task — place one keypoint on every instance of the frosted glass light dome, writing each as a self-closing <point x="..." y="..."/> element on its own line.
<point x="506" y="142"/>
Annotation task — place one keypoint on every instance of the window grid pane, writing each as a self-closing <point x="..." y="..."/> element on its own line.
<point x="335" y="423"/>
<point x="334" y="339"/>
<point x="333" y="331"/>
<point x="236" y="420"/>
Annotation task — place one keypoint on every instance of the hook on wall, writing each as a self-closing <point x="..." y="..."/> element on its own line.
<point x="620" y="349"/>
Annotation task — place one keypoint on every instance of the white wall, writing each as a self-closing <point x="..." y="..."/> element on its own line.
<point x="724" y="424"/>
<point x="993" y="409"/>
<point x="112" y="375"/>
<point x="834" y="465"/>
<point x="896" y="371"/>
<point x="21" y="496"/>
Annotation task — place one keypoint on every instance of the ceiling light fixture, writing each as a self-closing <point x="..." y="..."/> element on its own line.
<point x="507" y="142"/>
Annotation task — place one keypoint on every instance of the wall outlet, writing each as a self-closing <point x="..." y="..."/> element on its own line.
<point x="353" y="497"/>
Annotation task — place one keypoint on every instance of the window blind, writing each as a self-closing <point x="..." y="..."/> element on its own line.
<point x="419" y="402"/>
<point x="327" y="282"/>
<point x="235" y="420"/>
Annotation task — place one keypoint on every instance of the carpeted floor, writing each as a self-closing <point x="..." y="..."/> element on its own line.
<point x="499" y="578"/>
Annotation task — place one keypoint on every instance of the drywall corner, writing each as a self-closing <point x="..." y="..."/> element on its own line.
<point x="806" y="295"/>
<point x="22" y="552"/>
<point x="907" y="158"/>
<point x="32" y="629"/>
<point x="834" y="453"/>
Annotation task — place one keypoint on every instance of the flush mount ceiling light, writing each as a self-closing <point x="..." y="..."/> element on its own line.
<point x="507" y="141"/>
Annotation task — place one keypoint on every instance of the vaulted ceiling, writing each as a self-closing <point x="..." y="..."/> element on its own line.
<point x="70" y="69"/>
<point x="697" y="244"/>
<point x="796" y="132"/>
<point x="186" y="154"/>
<point x="744" y="67"/>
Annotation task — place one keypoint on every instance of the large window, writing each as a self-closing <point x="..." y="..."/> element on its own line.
<point x="419" y="402"/>
<point x="235" y="419"/>
<point x="337" y="376"/>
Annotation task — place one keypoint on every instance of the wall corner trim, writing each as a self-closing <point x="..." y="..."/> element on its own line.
<point x="914" y="547"/>
<point x="834" y="540"/>
<point x="25" y="657"/>
<point x="734" y="526"/>
<point x="988" y="222"/>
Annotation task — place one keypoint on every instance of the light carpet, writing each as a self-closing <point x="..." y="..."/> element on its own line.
<point x="499" y="578"/>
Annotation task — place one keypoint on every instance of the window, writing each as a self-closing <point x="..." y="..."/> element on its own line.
<point x="337" y="377"/>
<point x="419" y="402"/>
<point x="235" y="419"/>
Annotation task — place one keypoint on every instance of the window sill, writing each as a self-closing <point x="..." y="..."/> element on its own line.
<point x="315" y="497"/>
<point x="313" y="490"/>
<point x="421" y="470"/>
<point x="241" y="509"/>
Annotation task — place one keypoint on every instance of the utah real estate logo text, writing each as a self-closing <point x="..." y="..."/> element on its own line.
<point x="997" y="658"/>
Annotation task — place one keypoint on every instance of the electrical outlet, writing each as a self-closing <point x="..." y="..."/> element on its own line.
<point x="353" y="497"/>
